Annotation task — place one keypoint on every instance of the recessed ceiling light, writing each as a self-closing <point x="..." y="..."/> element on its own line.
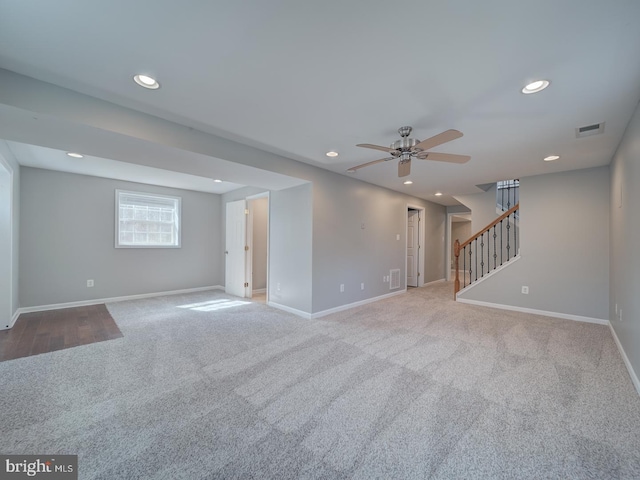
<point x="75" y="155"/>
<point x="217" y="180"/>
<point x="438" y="194"/>
<point x="551" y="158"/>
<point x="146" y="81"/>
<point x="408" y="182"/>
<point x="331" y="154"/>
<point x="535" y="87"/>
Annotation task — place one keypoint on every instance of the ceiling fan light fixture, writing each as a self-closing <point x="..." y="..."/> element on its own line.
<point x="535" y="87"/>
<point x="407" y="182"/>
<point x="146" y="81"/>
<point x="217" y="180"/>
<point x="75" y="155"/>
<point x="551" y="158"/>
<point x="438" y="194"/>
<point x="331" y="154"/>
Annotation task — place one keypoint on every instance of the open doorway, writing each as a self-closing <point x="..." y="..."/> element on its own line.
<point x="258" y="242"/>
<point x="458" y="227"/>
<point x="415" y="246"/>
<point x="247" y="246"/>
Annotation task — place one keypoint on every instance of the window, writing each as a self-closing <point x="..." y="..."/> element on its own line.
<point x="508" y="184"/>
<point x="144" y="220"/>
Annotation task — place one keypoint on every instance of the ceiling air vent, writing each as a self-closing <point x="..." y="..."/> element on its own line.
<point x="594" y="129"/>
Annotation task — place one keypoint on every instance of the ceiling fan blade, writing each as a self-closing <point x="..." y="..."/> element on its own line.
<point x="444" y="157"/>
<point x="376" y="147"/>
<point x="436" y="140"/>
<point x="353" y="169"/>
<point x="404" y="168"/>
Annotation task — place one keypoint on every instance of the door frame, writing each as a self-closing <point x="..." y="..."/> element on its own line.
<point x="421" y="241"/>
<point x="448" y="252"/>
<point x="249" y="233"/>
<point x="11" y="264"/>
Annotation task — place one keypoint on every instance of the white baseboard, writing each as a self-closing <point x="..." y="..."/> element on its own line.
<point x="12" y="322"/>
<point x="260" y="290"/>
<point x="284" y="308"/>
<point x="627" y="363"/>
<point x="356" y="304"/>
<point x="97" y="301"/>
<point x="566" y="316"/>
<point x="434" y="281"/>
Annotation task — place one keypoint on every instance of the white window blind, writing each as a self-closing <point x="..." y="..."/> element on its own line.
<point x="145" y="220"/>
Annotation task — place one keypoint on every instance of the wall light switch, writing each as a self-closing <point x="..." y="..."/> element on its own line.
<point x="362" y="286"/>
<point x="398" y="236"/>
<point x="342" y="288"/>
<point x="89" y="283"/>
<point x="525" y="290"/>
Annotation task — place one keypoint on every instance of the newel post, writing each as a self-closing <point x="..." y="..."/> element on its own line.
<point x="456" y="252"/>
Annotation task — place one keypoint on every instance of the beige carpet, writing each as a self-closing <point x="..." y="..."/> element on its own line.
<point x="416" y="386"/>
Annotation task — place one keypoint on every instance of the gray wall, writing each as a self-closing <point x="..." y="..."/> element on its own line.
<point x="345" y="253"/>
<point x="482" y="206"/>
<point x="290" y="247"/>
<point x="125" y="126"/>
<point x="260" y="211"/>
<point x="67" y="237"/>
<point x="625" y="240"/>
<point x="9" y="243"/>
<point x="562" y="262"/>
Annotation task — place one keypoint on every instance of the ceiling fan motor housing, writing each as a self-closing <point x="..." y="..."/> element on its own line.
<point x="405" y="144"/>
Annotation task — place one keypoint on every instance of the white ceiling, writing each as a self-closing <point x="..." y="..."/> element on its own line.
<point x="302" y="78"/>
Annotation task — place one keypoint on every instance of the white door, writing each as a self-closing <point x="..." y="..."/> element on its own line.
<point x="413" y="223"/>
<point x="235" y="256"/>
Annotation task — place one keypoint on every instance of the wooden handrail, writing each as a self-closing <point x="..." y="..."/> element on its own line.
<point x="488" y="227"/>
<point x="457" y="245"/>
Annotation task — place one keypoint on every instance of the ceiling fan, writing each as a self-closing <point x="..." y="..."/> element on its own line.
<point x="407" y="148"/>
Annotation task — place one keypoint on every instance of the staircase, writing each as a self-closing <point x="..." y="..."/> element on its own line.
<point x="493" y="246"/>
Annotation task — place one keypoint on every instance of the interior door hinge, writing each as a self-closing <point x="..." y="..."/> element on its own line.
<point x="246" y="284"/>
<point x="246" y="248"/>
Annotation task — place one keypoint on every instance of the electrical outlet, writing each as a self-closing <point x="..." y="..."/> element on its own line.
<point x="89" y="283"/>
<point x="398" y="236"/>
<point x="525" y="290"/>
<point x="278" y="287"/>
<point x="342" y="288"/>
<point x="362" y="286"/>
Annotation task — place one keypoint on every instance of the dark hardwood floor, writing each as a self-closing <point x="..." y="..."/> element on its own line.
<point x="43" y="332"/>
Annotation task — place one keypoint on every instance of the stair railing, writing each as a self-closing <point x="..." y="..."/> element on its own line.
<point x="498" y="244"/>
